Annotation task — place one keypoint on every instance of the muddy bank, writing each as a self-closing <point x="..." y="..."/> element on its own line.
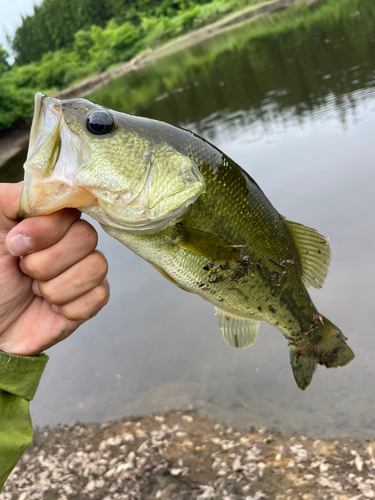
<point x="16" y="138"/>
<point x="183" y="455"/>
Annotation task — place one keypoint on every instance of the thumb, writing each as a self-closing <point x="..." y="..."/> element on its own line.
<point x="10" y="195"/>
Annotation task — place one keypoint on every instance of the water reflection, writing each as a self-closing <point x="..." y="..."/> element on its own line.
<point x="281" y="74"/>
<point x="295" y="106"/>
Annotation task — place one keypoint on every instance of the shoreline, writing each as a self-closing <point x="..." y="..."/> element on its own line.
<point x="183" y="455"/>
<point x="13" y="140"/>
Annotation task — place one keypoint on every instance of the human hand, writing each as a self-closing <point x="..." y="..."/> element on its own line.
<point x="52" y="279"/>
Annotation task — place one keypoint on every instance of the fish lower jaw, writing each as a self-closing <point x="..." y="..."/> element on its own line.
<point x="43" y="198"/>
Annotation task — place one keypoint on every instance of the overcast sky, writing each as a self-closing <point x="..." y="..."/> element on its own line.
<point x="10" y="16"/>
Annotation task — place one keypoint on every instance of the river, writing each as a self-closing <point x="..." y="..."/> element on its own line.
<point x="293" y="102"/>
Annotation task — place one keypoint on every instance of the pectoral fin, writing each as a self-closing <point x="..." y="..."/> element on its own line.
<point x="206" y="244"/>
<point x="237" y="331"/>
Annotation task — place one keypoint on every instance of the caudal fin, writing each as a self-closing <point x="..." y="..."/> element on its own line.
<point x="331" y="351"/>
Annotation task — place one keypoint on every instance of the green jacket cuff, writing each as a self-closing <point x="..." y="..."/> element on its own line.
<point x="20" y="375"/>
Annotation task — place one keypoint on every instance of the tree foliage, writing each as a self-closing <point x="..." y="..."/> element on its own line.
<point x="4" y="65"/>
<point x="65" y="41"/>
<point x="54" y="23"/>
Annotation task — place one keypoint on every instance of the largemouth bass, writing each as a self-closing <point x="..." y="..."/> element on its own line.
<point x="184" y="206"/>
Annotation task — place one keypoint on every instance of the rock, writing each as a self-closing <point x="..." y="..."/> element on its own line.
<point x="261" y="466"/>
<point x="159" y="460"/>
<point x="323" y="467"/>
<point x="180" y="434"/>
<point x="366" y="490"/>
<point x="237" y="464"/>
<point x="371" y="452"/>
<point x="175" y="472"/>
<point x="309" y="477"/>
<point x="187" y="418"/>
<point x="258" y="496"/>
<point x="208" y="492"/>
<point x="321" y="447"/>
<point x="333" y="485"/>
<point x="127" y="437"/>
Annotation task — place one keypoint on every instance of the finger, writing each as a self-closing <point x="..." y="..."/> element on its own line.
<point x="87" y="306"/>
<point x="37" y="233"/>
<point x="10" y="195"/>
<point x="79" y="242"/>
<point x="75" y="281"/>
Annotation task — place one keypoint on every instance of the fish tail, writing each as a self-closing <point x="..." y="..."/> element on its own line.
<point x="331" y="351"/>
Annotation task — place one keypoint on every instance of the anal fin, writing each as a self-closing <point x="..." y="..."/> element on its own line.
<point x="237" y="331"/>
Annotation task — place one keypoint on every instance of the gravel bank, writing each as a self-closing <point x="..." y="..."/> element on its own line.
<point x="180" y="456"/>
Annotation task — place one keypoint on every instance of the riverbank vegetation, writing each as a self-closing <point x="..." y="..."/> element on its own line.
<point x="65" y="41"/>
<point x="267" y="59"/>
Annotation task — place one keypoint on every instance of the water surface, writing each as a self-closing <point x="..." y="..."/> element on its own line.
<point x="293" y="103"/>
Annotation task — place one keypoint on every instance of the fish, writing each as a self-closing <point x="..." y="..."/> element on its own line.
<point x="194" y="214"/>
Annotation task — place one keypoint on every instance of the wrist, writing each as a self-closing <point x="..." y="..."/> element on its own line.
<point x="18" y="349"/>
<point x="19" y="353"/>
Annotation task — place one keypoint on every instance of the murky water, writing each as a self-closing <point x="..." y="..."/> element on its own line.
<point x="295" y="107"/>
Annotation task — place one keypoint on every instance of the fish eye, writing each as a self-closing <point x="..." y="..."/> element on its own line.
<point x="100" y="123"/>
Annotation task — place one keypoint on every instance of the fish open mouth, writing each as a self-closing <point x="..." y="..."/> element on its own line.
<point x="54" y="155"/>
<point x="68" y="166"/>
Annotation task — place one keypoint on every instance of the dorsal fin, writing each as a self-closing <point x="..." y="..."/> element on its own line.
<point x="314" y="253"/>
<point x="237" y="331"/>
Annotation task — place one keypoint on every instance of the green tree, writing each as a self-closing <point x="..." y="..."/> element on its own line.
<point x="82" y="44"/>
<point x="53" y="26"/>
<point x="14" y="105"/>
<point x="4" y="65"/>
<point x="113" y="43"/>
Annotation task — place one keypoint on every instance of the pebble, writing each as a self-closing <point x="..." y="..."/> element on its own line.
<point x="164" y="456"/>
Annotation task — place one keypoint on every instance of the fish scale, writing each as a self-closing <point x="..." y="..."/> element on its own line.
<point x="245" y="295"/>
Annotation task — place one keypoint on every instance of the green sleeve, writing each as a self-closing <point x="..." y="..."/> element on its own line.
<point x="19" y="380"/>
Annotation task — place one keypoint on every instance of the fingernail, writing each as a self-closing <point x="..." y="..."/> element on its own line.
<point x="35" y="288"/>
<point x="19" y="244"/>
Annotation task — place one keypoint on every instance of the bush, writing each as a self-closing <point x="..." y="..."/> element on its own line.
<point x="22" y="76"/>
<point x="111" y="44"/>
<point x="82" y="44"/>
<point x="14" y="104"/>
<point x="154" y="29"/>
